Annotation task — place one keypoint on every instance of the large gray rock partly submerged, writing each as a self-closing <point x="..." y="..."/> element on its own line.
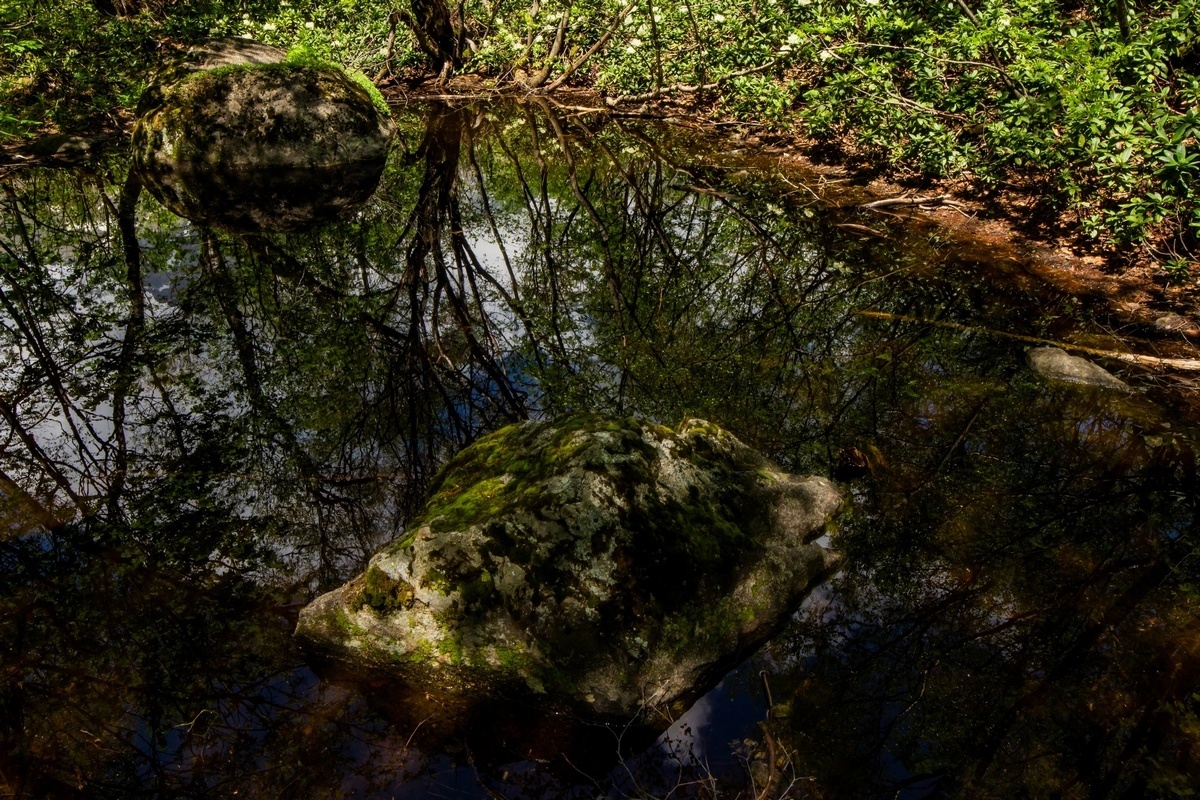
<point x="607" y="566"/>
<point x="235" y="135"/>
<point x="1058" y="365"/>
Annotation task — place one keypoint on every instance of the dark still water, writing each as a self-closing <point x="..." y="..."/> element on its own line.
<point x="202" y="430"/>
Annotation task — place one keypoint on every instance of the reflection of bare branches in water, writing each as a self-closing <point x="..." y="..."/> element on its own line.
<point x="434" y="363"/>
<point x="231" y="420"/>
<point x="455" y="284"/>
<point x="37" y="396"/>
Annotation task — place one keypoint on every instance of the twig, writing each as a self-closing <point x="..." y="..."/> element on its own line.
<point x="408" y="741"/>
<point x="897" y="99"/>
<point x="1183" y="364"/>
<point x="853" y="226"/>
<point x="591" y="51"/>
<point x="386" y="69"/>
<point x="16" y="26"/>
<point x="970" y="14"/>
<point x="888" y="202"/>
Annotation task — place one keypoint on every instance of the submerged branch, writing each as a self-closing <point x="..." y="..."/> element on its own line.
<point x="888" y="202"/>
<point x="1182" y="364"/>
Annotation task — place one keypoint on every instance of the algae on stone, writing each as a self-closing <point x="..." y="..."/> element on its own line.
<point x="608" y="564"/>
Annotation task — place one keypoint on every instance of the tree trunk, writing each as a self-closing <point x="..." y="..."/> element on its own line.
<point x="431" y="24"/>
<point x="1123" y="18"/>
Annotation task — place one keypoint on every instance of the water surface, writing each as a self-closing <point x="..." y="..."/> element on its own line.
<point x="202" y="430"/>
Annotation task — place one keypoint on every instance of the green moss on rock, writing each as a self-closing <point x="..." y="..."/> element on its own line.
<point x="602" y="561"/>
<point x="384" y="593"/>
<point x="242" y="135"/>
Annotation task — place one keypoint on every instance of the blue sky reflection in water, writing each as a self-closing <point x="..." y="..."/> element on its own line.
<point x="203" y="431"/>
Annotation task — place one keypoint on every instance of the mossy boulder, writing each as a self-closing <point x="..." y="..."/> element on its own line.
<point x="606" y="565"/>
<point x="247" y="137"/>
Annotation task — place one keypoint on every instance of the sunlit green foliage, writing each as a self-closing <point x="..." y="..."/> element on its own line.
<point x="1026" y="91"/>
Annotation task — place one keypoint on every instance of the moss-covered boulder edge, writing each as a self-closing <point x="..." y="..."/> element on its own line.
<point x="243" y="136"/>
<point x="244" y="103"/>
<point x="605" y="565"/>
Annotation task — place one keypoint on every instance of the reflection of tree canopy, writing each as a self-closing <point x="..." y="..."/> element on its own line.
<point x="201" y="428"/>
<point x="1025" y="623"/>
